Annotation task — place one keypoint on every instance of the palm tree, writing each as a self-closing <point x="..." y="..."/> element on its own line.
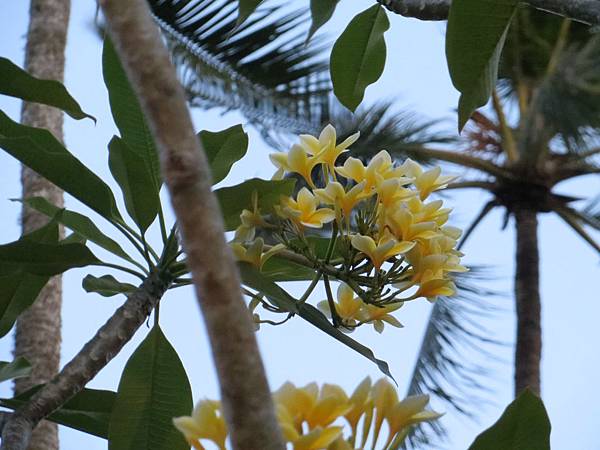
<point x="38" y="333"/>
<point x="543" y="131"/>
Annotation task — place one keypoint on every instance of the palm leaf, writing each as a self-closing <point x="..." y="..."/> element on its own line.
<point x="454" y="333"/>
<point x="262" y="68"/>
<point x="381" y="128"/>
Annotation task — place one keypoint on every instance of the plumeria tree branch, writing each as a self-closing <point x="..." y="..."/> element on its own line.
<point x="585" y="11"/>
<point x="246" y="397"/>
<point x="95" y="355"/>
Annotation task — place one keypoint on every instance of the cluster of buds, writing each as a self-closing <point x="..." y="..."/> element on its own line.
<point x="325" y="418"/>
<point x="388" y="242"/>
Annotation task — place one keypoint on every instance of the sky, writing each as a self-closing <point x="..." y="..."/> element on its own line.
<point x="416" y="76"/>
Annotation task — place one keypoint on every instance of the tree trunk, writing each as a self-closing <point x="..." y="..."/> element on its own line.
<point x="528" y="306"/>
<point x="38" y="329"/>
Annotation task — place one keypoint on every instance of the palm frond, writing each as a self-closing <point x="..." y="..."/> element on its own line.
<point x="568" y="101"/>
<point x="261" y="68"/>
<point x="444" y="368"/>
<point x="383" y="129"/>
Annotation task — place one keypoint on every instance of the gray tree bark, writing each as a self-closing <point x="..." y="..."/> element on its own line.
<point x="586" y="11"/>
<point x="246" y="398"/>
<point x="528" y="351"/>
<point x="38" y="335"/>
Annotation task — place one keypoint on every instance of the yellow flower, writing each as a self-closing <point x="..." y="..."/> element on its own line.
<point x="335" y="194"/>
<point x="380" y="168"/>
<point x="426" y="181"/>
<point x="380" y="315"/>
<point x="435" y="288"/>
<point x="254" y="253"/>
<point x="389" y="192"/>
<point x="296" y="160"/>
<point x="318" y="408"/>
<point x="304" y="210"/>
<point x="403" y="225"/>
<point x="324" y="149"/>
<point x="428" y="212"/>
<point x="359" y="401"/>
<point x="384" y="400"/>
<point x="249" y="221"/>
<point x="408" y="412"/>
<point x="340" y="444"/>
<point x="385" y="248"/>
<point x="347" y="306"/>
<point x="299" y="402"/>
<point x="206" y="422"/>
<point x="318" y="438"/>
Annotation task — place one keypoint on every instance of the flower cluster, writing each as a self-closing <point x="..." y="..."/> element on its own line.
<point x="325" y="418"/>
<point x="389" y="241"/>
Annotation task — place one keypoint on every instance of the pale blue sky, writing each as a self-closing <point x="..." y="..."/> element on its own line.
<point x="416" y="74"/>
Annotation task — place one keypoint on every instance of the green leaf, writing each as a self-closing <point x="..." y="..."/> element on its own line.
<point x="25" y="256"/>
<point x="153" y="389"/>
<point x="474" y="40"/>
<point x="88" y="411"/>
<point x="524" y="425"/>
<point x="223" y="149"/>
<point x="127" y="112"/>
<point x="320" y="11"/>
<point x="139" y="191"/>
<point x="39" y="150"/>
<point x="19" y="290"/>
<point x="234" y="199"/>
<point x="80" y="224"/>
<point x="18" y="368"/>
<point x="106" y="285"/>
<point x="358" y="56"/>
<point x="280" y="269"/>
<point x="245" y="9"/>
<point x="15" y="82"/>
<point x="254" y="279"/>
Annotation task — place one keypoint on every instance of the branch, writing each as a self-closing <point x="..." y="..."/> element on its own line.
<point x="94" y="355"/>
<point x="245" y="394"/>
<point x="572" y="222"/>
<point x="484" y="212"/>
<point x="464" y="160"/>
<point x="486" y="185"/>
<point x="585" y="11"/>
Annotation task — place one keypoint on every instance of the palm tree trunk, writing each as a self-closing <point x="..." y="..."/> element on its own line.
<point x="38" y="335"/>
<point x="528" y="306"/>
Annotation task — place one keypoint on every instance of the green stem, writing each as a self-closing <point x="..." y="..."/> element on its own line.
<point x="335" y="318"/>
<point x="122" y="268"/>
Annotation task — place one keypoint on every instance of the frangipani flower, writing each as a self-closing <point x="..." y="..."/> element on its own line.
<point x="253" y="254"/>
<point x="312" y="418"/>
<point x="380" y="168"/>
<point x="324" y="149"/>
<point x="378" y="252"/>
<point x="426" y="181"/>
<point x="250" y="220"/>
<point x="206" y="422"/>
<point x="335" y="194"/>
<point x="318" y="438"/>
<point x="348" y="305"/>
<point x="380" y="315"/>
<point x="296" y="160"/>
<point x="403" y="226"/>
<point x="318" y="408"/>
<point x="305" y="210"/>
